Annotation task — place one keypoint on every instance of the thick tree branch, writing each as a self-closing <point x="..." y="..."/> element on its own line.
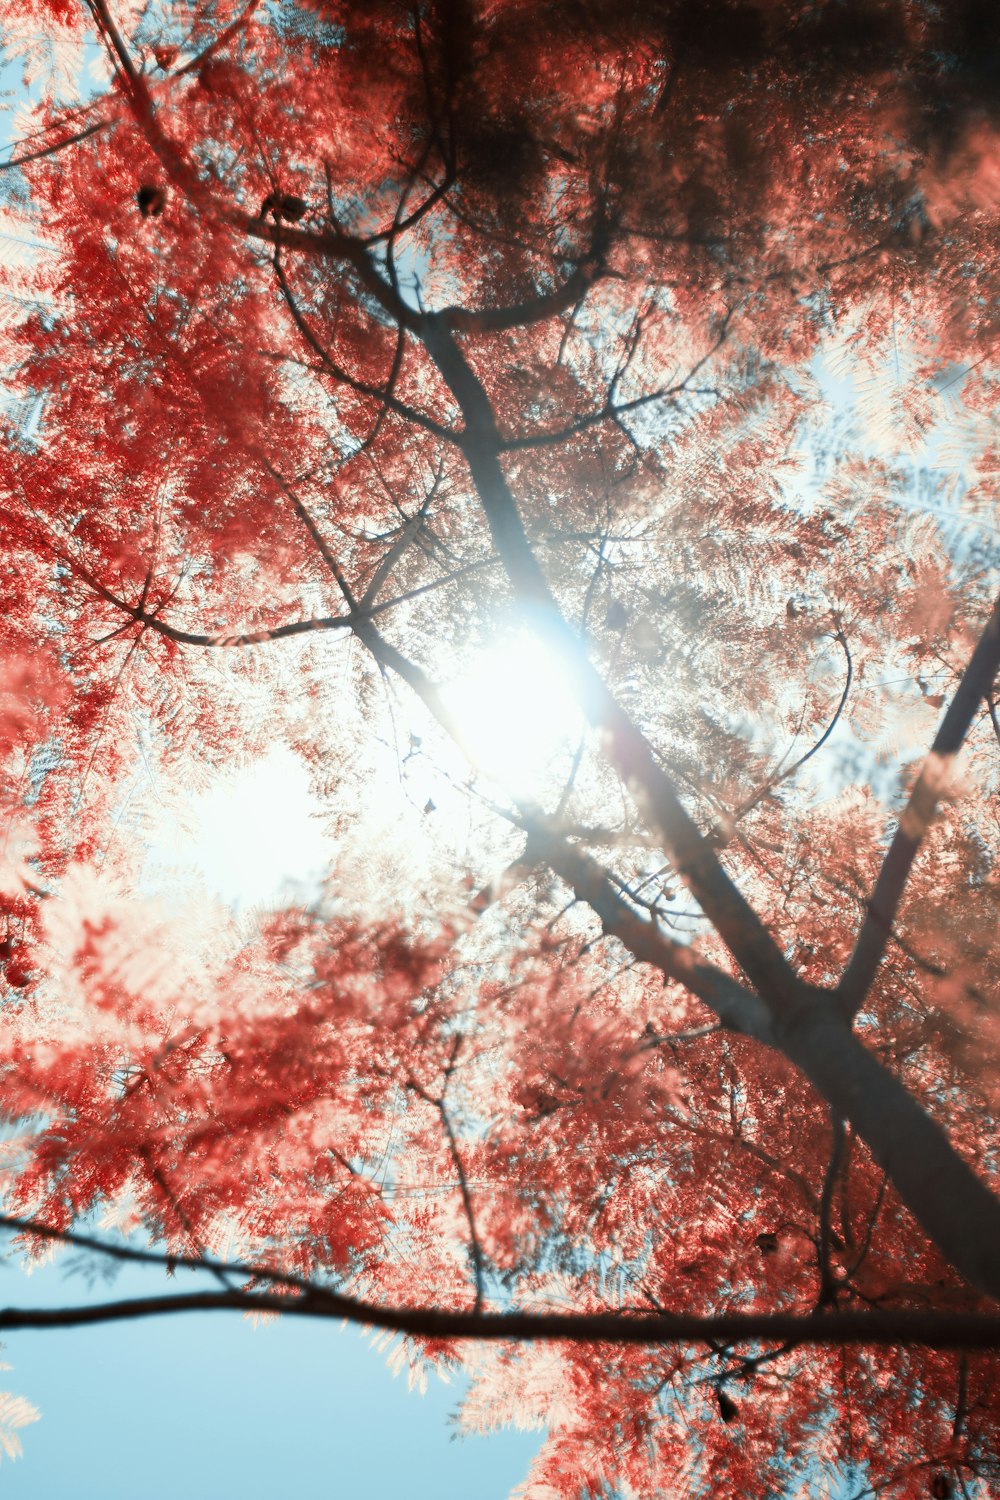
<point x="117" y="50"/>
<point x="951" y="1202"/>
<point x="929" y="1330"/>
<point x="954" y="1206"/>
<point x="738" y="1009"/>
<point x="303" y="1298"/>
<point x="523" y="314"/>
<point x="224" y="641"/>
<point x="233" y="640"/>
<point x="731" y="914"/>
<point x="975" y="686"/>
<point x="330" y="243"/>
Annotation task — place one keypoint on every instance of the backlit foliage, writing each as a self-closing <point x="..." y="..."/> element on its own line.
<point x="344" y="341"/>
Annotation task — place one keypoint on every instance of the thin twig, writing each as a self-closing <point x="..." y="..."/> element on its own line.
<point x="827" y="1283"/>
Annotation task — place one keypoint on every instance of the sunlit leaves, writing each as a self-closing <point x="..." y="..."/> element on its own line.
<point x="237" y="451"/>
<point x="15" y="1413"/>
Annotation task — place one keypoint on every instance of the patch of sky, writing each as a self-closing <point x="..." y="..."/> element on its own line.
<point x="295" y="20"/>
<point x="215" y="1404"/>
<point x="931" y="477"/>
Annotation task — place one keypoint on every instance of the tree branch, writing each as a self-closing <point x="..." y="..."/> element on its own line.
<point x="954" y="1206"/>
<point x="975" y="685"/>
<point x="722" y="836"/>
<point x="314" y="531"/>
<point x="521" y="314"/>
<point x="225" y="36"/>
<point x="613" y="410"/>
<point x="929" y="1330"/>
<point x="827" y="1284"/>
<point x="70" y="140"/>
<point x="738" y="1009"/>
<point x="383" y="394"/>
<point x="737" y="923"/>
<point x="952" y="1203"/>
<point x="467" y="1205"/>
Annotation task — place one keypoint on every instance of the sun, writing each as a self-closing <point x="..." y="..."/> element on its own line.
<point x="517" y="711"/>
<point x="256" y="838"/>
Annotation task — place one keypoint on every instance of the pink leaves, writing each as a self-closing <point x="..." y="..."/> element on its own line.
<point x="30" y="688"/>
<point x="18" y="849"/>
<point x="238" y="412"/>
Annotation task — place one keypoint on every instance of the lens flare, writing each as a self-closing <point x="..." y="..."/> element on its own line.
<point x="517" y="712"/>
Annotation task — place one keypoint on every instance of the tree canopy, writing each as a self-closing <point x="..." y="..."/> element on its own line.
<point x="353" y="352"/>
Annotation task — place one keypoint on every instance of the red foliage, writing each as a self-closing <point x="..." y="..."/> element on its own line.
<point x="360" y="337"/>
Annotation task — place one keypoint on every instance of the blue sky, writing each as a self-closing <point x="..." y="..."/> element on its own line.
<point x="208" y="1405"/>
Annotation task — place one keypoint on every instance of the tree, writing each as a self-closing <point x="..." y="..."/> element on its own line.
<point x="659" y="1089"/>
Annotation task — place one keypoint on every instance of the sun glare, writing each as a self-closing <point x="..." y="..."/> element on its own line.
<point x="255" y="839"/>
<point x="252" y="840"/>
<point x="517" y="712"/>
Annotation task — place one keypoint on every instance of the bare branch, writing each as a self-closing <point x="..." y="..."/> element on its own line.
<point x="408" y="533"/>
<point x="321" y="545"/>
<point x="613" y="410"/>
<point x="70" y="140"/>
<point x="827" y="1285"/>
<point x="384" y="393"/>
<point x="437" y="1102"/>
<point x="781" y="775"/>
<point x="463" y="1181"/>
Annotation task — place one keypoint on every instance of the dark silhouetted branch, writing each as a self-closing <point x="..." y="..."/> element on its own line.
<point x="975" y="686"/>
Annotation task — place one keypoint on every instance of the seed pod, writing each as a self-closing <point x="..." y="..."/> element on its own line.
<point x="283" y="206"/>
<point x="728" y="1410"/>
<point x="151" y="200"/>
